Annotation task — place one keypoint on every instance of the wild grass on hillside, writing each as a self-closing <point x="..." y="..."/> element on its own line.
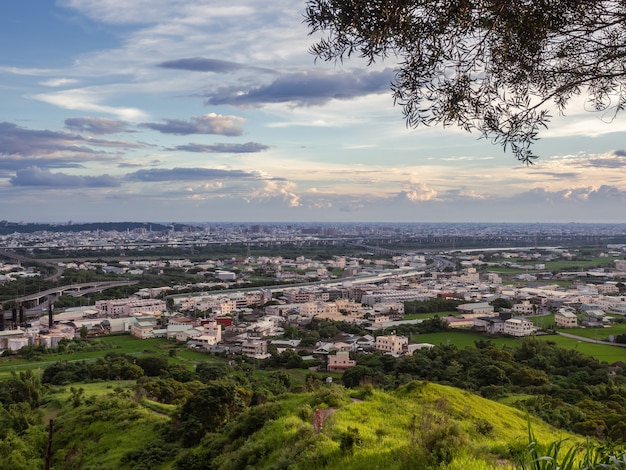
<point x="421" y="425"/>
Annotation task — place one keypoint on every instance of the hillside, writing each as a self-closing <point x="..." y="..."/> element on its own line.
<point x="421" y="425"/>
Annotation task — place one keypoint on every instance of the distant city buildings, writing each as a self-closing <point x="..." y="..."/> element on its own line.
<point x="370" y="290"/>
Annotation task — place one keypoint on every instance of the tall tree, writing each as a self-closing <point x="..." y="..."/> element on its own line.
<point x="492" y="66"/>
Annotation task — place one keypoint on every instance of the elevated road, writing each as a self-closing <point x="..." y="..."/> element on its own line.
<point x="39" y="301"/>
<point x="58" y="270"/>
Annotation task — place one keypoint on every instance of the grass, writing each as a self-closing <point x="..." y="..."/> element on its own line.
<point x="601" y="334"/>
<point x="463" y="339"/>
<point x="393" y="430"/>
<point x="601" y="352"/>
<point x="92" y="389"/>
<point x="97" y="435"/>
<point x="542" y="321"/>
<point x="560" y="265"/>
<point x="565" y="265"/>
<point x="125" y="344"/>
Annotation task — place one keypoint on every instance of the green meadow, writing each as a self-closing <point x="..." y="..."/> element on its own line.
<point x="122" y="344"/>
<point x="463" y="339"/>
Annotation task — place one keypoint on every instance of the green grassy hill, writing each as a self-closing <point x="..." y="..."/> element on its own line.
<point x="421" y="425"/>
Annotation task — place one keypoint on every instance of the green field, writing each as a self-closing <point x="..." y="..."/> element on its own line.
<point x="602" y="352"/>
<point x="63" y="393"/>
<point x="560" y="265"/>
<point x="565" y="265"/>
<point x="601" y="334"/>
<point x="125" y="344"/>
<point x="128" y="345"/>
<point x="542" y="321"/>
<point x="463" y="339"/>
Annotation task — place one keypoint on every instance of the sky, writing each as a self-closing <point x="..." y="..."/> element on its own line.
<point x="216" y="111"/>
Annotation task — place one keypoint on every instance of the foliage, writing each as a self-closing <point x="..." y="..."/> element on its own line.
<point x="570" y="390"/>
<point x="210" y="409"/>
<point x="493" y="67"/>
<point x="501" y="303"/>
<point x="349" y="439"/>
<point x="22" y="387"/>
<point x="430" y="306"/>
<point x="208" y="371"/>
<point x="104" y="431"/>
<point x="557" y="456"/>
<point x="149" y="457"/>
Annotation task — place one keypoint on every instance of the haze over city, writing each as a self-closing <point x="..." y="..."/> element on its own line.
<point x="181" y="110"/>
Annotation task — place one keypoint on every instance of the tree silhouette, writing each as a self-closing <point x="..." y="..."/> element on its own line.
<point x="493" y="66"/>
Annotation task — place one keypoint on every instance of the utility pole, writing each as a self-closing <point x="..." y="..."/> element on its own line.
<point x="49" y="449"/>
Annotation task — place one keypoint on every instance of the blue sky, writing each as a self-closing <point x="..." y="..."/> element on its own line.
<point x="188" y="110"/>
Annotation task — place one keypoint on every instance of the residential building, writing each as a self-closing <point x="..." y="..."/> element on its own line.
<point x="340" y="362"/>
<point x="311" y="309"/>
<point x="565" y="319"/>
<point x="391" y="344"/>
<point x="524" y="308"/>
<point x="255" y="348"/>
<point x="143" y="329"/>
<point x="518" y="327"/>
<point x="130" y="306"/>
<point x="490" y="325"/>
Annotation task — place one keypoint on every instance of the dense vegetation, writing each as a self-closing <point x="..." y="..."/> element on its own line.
<point x="564" y="387"/>
<point x="7" y="228"/>
<point x="154" y="411"/>
<point x="431" y="306"/>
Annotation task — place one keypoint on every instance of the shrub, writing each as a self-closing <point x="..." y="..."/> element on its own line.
<point x="349" y="439"/>
<point x="484" y="427"/>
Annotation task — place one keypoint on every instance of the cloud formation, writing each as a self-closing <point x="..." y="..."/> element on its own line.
<point x="15" y="140"/>
<point x="201" y="64"/>
<point x="208" y="124"/>
<point x="36" y="177"/>
<point x="248" y="147"/>
<point x="88" y="100"/>
<point x="13" y="163"/>
<point x="306" y="88"/>
<point x="98" y="126"/>
<point x="187" y="174"/>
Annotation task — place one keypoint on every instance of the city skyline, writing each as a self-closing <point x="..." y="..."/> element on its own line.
<point x="177" y="110"/>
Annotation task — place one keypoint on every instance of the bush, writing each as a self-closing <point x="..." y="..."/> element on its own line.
<point x="332" y="396"/>
<point x="484" y="427"/>
<point x="349" y="439"/>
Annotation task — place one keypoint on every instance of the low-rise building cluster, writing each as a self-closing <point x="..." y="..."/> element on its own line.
<point x="253" y="322"/>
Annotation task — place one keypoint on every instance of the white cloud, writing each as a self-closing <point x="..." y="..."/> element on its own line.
<point x="58" y="82"/>
<point x="88" y="100"/>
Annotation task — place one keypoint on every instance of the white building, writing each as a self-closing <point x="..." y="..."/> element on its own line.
<point x="130" y="306"/>
<point x="225" y="275"/>
<point x="518" y="327"/>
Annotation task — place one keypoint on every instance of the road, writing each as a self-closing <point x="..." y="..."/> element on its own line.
<point x="590" y="340"/>
<point x="58" y="270"/>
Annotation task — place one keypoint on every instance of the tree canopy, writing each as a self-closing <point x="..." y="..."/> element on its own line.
<point x="492" y="66"/>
